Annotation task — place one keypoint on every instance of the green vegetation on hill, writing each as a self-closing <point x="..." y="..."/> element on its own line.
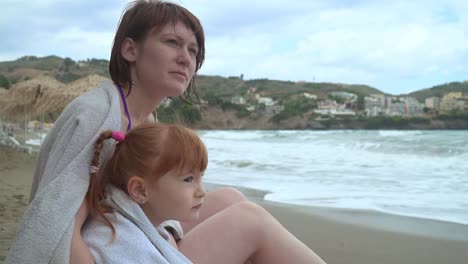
<point x="65" y="70"/>
<point x="4" y="82"/>
<point x="220" y="87"/>
<point x="440" y="90"/>
<point x="179" y="112"/>
<point x="294" y="107"/>
<point x="48" y="63"/>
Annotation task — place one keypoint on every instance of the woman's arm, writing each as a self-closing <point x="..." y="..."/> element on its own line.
<point x="79" y="251"/>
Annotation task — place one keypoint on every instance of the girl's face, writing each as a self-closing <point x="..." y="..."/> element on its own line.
<point x="165" y="61"/>
<point x="174" y="197"/>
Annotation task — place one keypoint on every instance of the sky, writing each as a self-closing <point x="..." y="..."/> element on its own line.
<point x="395" y="46"/>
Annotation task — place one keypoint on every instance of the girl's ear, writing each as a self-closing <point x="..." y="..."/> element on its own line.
<point x="129" y="50"/>
<point x="136" y="188"/>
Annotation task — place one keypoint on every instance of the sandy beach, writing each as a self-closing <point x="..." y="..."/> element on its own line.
<point x="338" y="236"/>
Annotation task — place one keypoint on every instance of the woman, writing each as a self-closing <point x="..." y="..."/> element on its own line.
<point x="157" y="50"/>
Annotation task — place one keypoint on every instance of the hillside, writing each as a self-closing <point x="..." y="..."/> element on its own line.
<point x="67" y="70"/>
<point x="216" y="111"/>
<point x="440" y="90"/>
<point x="64" y="70"/>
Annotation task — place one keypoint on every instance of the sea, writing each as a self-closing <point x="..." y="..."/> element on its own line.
<point x="412" y="173"/>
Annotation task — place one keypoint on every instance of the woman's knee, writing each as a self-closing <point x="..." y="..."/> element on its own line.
<point x="229" y="196"/>
<point x="251" y="217"/>
<point x="252" y="211"/>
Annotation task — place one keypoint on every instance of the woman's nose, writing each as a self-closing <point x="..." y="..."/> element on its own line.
<point x="183" y="57"/>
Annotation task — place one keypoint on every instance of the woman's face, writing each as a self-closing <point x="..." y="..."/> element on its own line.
<point x="165" y="61"/>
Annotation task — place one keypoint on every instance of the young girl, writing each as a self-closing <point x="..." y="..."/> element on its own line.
<point x="154" y="175"/>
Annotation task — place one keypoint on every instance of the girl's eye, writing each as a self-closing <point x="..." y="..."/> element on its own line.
<point x="189" y="179"/>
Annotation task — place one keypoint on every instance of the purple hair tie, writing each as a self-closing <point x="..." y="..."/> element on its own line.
<point x="118" y="136"/>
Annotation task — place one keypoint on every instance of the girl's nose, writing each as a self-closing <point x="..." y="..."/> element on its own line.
<point x="201" y="191"/>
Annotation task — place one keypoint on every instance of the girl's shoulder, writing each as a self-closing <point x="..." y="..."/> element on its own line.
<point x="130" y="244"/>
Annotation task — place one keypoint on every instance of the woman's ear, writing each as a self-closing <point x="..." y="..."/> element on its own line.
<point x="136" y="188"/>
<point x="129" y="50"/>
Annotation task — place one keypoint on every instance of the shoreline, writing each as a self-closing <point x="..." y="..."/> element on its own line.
<point x="398" y="223"/>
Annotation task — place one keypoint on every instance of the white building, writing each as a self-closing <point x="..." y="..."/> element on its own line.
<point x="239" y="100"/>
<point x="273" y="109"/>
<point x="335" y="112"/>
<point x="310" y="96"/>
<point x="329" y="104"/>
<point x="374" y="105"/>
<point x="345" y="95"/>
<point x="266" y="101"/>
<point x="432" y="102"/>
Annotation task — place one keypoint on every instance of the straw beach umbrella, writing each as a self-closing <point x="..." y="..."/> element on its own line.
<point x="3" y="100"/>
<point x="23" y="97"/>
<point x="43" y="95"/>
<point x="55" y="101"/>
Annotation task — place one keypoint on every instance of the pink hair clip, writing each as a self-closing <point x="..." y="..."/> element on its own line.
<point x="118" y="136"/>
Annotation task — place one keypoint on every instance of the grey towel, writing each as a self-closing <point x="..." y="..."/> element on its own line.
<point x="61" y="177"/>
<point x="136" y="239"/>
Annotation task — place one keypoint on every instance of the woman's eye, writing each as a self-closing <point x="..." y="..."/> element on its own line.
<point x="193" y="51"/>
<point x="172" y="42"/>
<point x="189" y="179"/>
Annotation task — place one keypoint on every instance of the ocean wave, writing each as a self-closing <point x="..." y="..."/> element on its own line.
<point x="398" y="133"/>
<point x="350" y="169"/>
<point x="233" y="136"/>
<point x="241" y="164"/>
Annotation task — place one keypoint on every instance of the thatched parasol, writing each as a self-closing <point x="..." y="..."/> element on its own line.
<point x="23" y="97"/>
<point x="55" y="101"/>
<point x="43" y="95"/>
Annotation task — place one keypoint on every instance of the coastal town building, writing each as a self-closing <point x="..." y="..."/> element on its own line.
<point x="433" y="102"/>
<point x="335" y="112"/>
<point x="309" y="96"/>
<point x="453" y="101"/>
<point x="273" y="109"/>
<point x="239" y="100"/>
<point x="329" y="104"/>
<point x="266" y="101"/>
<point x="374" y="105"/>
<point x="345" y="95"/>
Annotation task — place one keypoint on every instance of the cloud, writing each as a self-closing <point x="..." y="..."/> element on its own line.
<point x="396" y="46"/>
<point x="385" y="44"/>
<point x="64" y="28"/>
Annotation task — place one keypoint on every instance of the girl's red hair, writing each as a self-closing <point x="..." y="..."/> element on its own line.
<point x="149" y="151"/>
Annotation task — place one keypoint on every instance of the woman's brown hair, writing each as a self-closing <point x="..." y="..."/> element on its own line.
<point x="143" y="16"/>
<point x="149" y="150"/>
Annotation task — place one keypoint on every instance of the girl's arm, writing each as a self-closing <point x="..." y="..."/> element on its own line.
<point x="79" y="251"/>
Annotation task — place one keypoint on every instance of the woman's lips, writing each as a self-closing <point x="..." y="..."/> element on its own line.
<point x="180" y="75"/>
